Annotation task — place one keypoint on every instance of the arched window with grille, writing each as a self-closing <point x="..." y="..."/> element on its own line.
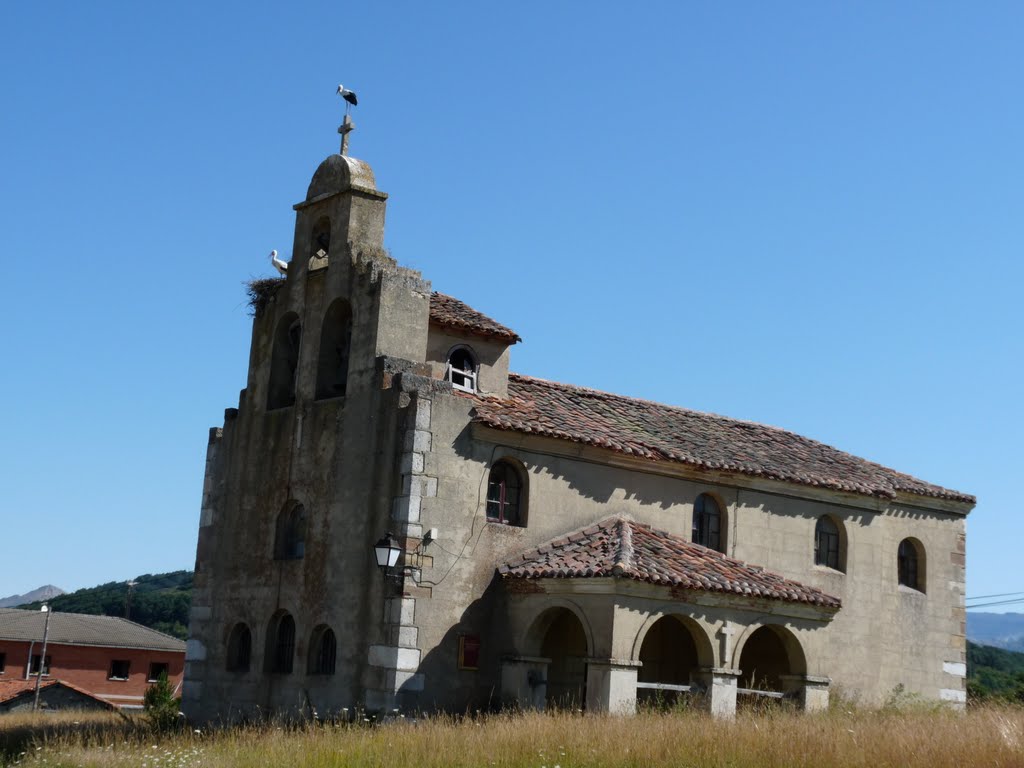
<point x="506" y="496"/>
<point x="910" y="564"/>
<point x="239" y="648"/>
<point x="290" y="540"/>
<point x="828" y="544"/>
<point x="323" y="651"/>
<point x="280" y="643"/>
<point x="707" y="523"/>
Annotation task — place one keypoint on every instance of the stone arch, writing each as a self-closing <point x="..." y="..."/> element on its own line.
<point x="284" y="362"/>
<point x="320" y="238"/>
<point x="335" y="346"/>
<point x="561" y="634"/>
<point x="534" y="630"/>
<point x="704" y="646"/>
<point x="671" y="648"/>
<point x="765" y="653"/>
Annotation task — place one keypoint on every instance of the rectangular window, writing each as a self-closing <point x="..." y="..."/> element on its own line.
<point x="469" y="652"/>
<point x="3" y="662"/>
<point x="34" y="666"/>
<point x="119" y="669"/>
<point x="156" y="668"/>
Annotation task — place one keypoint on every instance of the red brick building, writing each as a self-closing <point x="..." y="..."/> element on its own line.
<point x="111" y="658"/>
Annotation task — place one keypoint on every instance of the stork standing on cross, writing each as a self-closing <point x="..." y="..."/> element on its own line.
<point x="347" y="126"/>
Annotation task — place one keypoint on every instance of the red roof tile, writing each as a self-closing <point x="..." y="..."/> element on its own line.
<point x="620" y="547"/>
<point x="452" y="313"/>
<point x="702" y="440"/>
<point x="12" y="689"/>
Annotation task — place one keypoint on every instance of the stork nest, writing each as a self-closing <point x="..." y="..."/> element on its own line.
<point x="261" y="291"/>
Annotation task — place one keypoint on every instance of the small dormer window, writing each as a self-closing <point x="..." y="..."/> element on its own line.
<point x="461" y="369"/>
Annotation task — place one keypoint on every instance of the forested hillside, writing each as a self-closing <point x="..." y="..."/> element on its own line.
<point x="994" y="673"/>
<point x="159" y="601"/>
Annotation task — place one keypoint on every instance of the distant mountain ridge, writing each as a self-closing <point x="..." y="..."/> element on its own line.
<point x="159" y="601"/>
<point x="1000" y="630"/>
<point x="41" y="594"/>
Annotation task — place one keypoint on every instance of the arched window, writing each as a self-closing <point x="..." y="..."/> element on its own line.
<point x="323" y="650"/>
<point x="284" y="362"/>
<point x="827" y="543"/>
<point x="707" y="522"/>
<point x="335" y="339"/>
<point x="280" y="643"/>
<point x="239" y="648"/>
<point x="461" y="369"/>
<point x="290" y="541"/>
<point x="320" y="242"/>
<point x="505" y="496"/>
<point x="910" y="564"/>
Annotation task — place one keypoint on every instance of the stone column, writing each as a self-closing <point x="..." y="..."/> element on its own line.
<point x="611" y="686"/>
<point x="719" y="686"/>
<point x="810" y="691"/>
<point x="524" y="681"/>
<point x="396" y="661"/>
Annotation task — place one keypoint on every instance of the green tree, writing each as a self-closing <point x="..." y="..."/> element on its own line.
<point x="161" y="705"/>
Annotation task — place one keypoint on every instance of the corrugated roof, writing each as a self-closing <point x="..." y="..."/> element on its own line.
<point x="82" y="629"/>
<point x="621" y="547"/>
<point x="705" y="441"/>
<point x="452" y="313"/>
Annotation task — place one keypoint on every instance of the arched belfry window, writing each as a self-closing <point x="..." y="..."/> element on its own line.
<point x="323" y="651"/>
<point x="284" y="362"/>
<point x="828" y="544"/>
<point x="239" y="648"/>
<point x="707" y="522"/>
<point x="910" y="564"/>
<point x="280" y="644"/>
<point x="461" y="369"/>
<point x="335" y="341"/>
<point x="320" y="241"/>
<point x="506" y="494"/>
<point x="290" y="541"/>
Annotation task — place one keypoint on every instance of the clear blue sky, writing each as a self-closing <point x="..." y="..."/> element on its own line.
<point x="804" y="214"/>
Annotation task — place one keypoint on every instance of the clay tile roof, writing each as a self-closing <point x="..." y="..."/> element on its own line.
<point x="701" y="440"/>
<point x="617" y="546"/>
<point x="452" y="313"/>
<point x="82" y="629"/>
<point x="12" y="689"/>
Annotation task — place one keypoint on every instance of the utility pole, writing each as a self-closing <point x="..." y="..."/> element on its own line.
<point x="42" y="656"/>
<point x="128" y="600"/>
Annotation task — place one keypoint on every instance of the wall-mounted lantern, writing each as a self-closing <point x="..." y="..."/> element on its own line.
<point x="386" y="550"/>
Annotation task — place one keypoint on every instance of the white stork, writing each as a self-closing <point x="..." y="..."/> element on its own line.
<point x="347" y="95"/>
<point x="280" y="266"/>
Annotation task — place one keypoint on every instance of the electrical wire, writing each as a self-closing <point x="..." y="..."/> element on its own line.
<point x="997" y="602"/>
<point x="988" y="597"/>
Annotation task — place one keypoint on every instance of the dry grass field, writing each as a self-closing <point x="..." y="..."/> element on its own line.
<point x="985" y="736"/>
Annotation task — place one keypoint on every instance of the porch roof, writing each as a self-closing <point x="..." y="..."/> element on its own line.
<point x="618" y="546"/>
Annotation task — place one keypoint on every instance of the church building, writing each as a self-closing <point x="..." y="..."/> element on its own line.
<point x="543" y="544"/>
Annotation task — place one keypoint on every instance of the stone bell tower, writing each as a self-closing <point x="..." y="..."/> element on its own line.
<point x="302" y="477"/>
